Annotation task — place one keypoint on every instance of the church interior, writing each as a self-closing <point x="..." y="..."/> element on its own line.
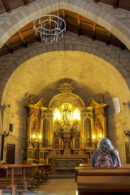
<point x="64" y="86"/>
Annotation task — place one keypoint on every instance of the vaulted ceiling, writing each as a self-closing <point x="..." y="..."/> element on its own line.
<point x="75" y="23"/>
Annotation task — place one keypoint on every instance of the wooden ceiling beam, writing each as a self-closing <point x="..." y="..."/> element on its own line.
<point x="63" y="14"/>
<point x="80" y="31"/>
<point x="6" y="6"/>
<point x="116" y="4"/>
<point x="74" y="24"/>
<point x="79" y="24"/>
<point x="25" y="2"/>
<point x="38" y="38"/>
<point x="94" y="31"/>
<point x="9" y="48"/>
<point x="22" y="39"/>
<point x="78" y="19"/>
<point x="109" y="38"/>
<point x="96" y="1"/>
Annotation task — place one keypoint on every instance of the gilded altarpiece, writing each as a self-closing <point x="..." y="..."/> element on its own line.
<point x="66" y="132"/>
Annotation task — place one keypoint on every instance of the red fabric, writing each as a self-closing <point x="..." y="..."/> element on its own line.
<point x="104" y="161"/>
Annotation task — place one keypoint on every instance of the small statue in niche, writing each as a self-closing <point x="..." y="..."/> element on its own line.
<point x="99" y="121"/>
<point x="66" y="114"/>
<point x="75" y="126"/>
<point x="98" y="111"/>
<point x="66" y="117"/>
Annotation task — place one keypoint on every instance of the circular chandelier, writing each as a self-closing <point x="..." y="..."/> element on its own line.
<point x="49" y="27"/>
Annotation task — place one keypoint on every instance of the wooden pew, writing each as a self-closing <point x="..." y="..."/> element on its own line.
<point x="20" y="177"/>
<point x="103" y="181"/>
<point x="81" y="167"/>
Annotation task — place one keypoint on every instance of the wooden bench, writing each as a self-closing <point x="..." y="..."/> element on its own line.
<point x="81" y="167"/>
<point x="21" y="178"/>
<point x="103" y="181"/>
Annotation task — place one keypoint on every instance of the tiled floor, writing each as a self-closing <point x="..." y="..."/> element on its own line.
<point x="56" y="187"/>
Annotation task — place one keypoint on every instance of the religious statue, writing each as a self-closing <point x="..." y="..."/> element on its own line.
<point x="66" y="114"/>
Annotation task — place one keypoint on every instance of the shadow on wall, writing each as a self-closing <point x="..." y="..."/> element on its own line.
<point x="80" y="89"/>
<point x="51" y="90"/>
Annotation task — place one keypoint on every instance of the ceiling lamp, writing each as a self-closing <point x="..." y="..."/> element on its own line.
<point x="49" y="27"/>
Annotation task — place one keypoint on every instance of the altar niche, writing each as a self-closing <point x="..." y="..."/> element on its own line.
<point x="66" y="132"/>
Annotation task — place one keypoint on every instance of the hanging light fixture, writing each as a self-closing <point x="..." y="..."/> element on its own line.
<point x="50" y="27"/>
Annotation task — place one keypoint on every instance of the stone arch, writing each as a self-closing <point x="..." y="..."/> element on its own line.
<point x="71" y="42"/>
<point x="109" y="18"/>
<point x="35" y="76"/>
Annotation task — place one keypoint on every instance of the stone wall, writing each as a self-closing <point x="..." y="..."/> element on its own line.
<point x="92" y="66"/>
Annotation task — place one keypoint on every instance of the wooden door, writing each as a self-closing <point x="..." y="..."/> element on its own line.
<point x="10" y="156"/>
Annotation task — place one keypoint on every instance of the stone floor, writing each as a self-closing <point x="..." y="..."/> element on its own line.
<point x="56" y="187"/>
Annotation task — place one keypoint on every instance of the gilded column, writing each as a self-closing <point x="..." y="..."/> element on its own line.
<point x="41" y="127"/>
<point x="51" y="134"/>
<point x="81" y="131"/>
